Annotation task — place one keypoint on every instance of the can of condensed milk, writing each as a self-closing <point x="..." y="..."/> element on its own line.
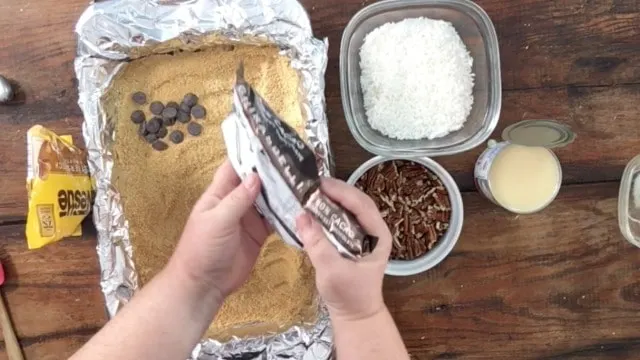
<point x="522" y="174"/>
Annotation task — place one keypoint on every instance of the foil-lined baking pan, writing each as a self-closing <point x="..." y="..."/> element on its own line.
<point x="111" y="33"/>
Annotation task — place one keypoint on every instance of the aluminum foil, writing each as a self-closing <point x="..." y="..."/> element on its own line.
<point x="110" y="33"/>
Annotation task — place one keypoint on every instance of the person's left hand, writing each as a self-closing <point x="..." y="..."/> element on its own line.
<point x="223" y="235"/>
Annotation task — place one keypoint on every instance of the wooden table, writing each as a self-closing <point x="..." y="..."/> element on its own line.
<point x="560" y="284"/>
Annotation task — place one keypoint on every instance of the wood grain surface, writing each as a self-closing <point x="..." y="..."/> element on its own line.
<point x="53" y="294"/>
<point x="556" y="285"/>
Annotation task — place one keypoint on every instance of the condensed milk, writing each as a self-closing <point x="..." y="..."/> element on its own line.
<point x="522" y="179"/>
<point x="522" y="174"/>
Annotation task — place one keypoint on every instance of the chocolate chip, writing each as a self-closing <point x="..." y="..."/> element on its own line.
<point x="142" y="130"/>
<point x="139" y="98"/>
<point x="162" y="132"/>
<point x="156" y="108"/>
<point x="184" y="107"/>
<point x="190" y="99"/>
<point x="138" y="117"/>
<point x="151" y="138"/>
<point x="173" y="104"/>
<point x="194" y="129"/>
<point x="154" y="125"/>
<point x="176" y="136"/>
<point x="198" y="112"/>
<point x="183" y="117"/>
<point x="168" y="122"/>
<point x="160" y="146"/>
<point x="169" y="113"/>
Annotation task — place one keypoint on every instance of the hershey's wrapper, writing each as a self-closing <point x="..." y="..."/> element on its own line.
<point x="259" y="141"/>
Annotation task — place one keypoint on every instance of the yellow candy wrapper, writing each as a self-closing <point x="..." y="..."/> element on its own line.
<point x="59" y="187"/>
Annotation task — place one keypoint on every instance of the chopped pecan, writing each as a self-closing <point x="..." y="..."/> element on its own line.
<point x="411" y="251"/>
<point x="370" y="182"/>
<point x="441" y="227"/>
<point x="430" y="192"/>
<point x="413" y="202"/>
<point x="413" y="173"/>
<point x="379" y="183"/>
<point x="441" y="215"/>
<point x="432" y="236"/>
<point x="396" y="244"/>
<point x="385" y="199"/>
<point x="407" y="223"/>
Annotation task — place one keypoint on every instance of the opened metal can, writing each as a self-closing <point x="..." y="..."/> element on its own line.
<point x="522" y="174"/>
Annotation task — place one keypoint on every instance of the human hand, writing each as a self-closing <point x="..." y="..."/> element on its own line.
<point x="223" y="235"/>
<point x="351" y="289"/>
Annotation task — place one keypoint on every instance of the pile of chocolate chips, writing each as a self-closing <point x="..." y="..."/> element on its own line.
<point x="166" y="115"/>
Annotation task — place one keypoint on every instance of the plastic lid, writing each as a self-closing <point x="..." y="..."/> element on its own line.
<point x="547" y="133"/>
<point x="629" y="202"/>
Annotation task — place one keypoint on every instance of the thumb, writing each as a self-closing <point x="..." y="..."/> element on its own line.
<point x="320" y="250"/>
<point x="236" y="204"/>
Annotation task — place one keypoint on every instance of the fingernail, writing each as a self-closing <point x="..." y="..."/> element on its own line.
<point x="252" y="181"/>
<point x="303" y="222"/>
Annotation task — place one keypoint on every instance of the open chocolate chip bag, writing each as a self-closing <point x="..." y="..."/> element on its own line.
<point x="259" y="141"/>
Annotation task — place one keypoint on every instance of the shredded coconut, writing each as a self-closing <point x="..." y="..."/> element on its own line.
<point x="416" y="79"/>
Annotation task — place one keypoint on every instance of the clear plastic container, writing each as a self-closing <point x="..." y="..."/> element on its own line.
<point x="629" y="202"/>
<point x="477" y="32"/>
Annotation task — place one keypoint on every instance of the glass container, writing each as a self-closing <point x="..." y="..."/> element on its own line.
<point x="478" y="34"/>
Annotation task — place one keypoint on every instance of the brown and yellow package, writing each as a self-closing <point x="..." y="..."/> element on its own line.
<point x="58" y="185"/>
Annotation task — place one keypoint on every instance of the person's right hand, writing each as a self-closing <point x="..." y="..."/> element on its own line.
<point x="352" y="290"/>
